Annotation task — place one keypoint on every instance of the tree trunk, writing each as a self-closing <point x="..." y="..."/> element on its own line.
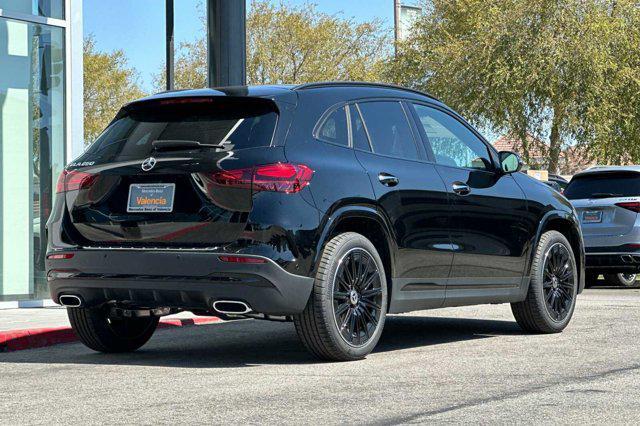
<point x="525" y="146"/>
<point x="555" y="142"/>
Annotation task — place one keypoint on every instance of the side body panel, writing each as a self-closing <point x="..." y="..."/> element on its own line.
<point x="416" y="208"/>
<point x="488" y="235"/>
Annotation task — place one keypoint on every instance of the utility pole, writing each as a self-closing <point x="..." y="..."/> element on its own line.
<point x="169" y="44"/>
<point x="397" y="6"/>
<point x="227" y="42"/>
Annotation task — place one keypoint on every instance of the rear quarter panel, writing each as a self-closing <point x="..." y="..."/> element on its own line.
<point x="339" y="180"/>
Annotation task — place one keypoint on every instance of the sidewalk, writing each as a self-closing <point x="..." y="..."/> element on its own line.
<point x="38" y="327"/>
<point x="17" y="319"/>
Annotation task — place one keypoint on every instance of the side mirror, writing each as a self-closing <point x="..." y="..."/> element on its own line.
<point x="510" y="162"/>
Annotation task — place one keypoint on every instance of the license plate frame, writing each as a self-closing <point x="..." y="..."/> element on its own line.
<point x="594" y="216"/>
<point x="154" y="193"/>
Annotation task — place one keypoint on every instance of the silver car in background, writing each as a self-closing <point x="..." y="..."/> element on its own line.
<point x="607" y="200"/>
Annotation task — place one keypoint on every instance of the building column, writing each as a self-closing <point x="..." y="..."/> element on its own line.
<point x="227" y="42"/>
<point x="169" y="44"/>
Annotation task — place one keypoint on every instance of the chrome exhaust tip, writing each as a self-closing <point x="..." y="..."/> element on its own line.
<point x="70" y="301"/>
<point x="231" y="307"/>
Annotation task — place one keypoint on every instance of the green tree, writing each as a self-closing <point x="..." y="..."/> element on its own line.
<point x="109" y="83"/>
<point x="553" y="68"/>
<point x="289" y="44"/>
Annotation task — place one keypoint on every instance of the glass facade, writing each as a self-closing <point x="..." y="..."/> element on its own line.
<point x="32" y="142"/>
<point x="46" y="8"/>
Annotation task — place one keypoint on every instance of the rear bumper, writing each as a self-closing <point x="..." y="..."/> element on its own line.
<point x="190" y="280"/>
<point x="613" y="261"/>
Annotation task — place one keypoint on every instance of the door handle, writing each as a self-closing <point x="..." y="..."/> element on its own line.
<point x="388" y="180"/>
<point x="461" y="188"/>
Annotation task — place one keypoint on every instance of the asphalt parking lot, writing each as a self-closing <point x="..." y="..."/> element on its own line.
<point x="454" y="365"/>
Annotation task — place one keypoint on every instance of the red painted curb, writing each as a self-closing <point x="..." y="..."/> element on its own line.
<point x="187" y="322"/>
<point x="18" y="340"/>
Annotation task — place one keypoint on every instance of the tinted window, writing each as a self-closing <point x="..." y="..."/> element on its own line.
<point x="334" y="128"/>
<point x="389" y="129"/>
<point x="452" y="143"/>
<point x="358" y="132"/>
<point x="241" y="124"/>
<point x="608" y="185"/>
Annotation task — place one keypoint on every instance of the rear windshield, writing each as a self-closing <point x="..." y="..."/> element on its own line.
<point x="238" y="124"/>
<point x="606" y="185"/>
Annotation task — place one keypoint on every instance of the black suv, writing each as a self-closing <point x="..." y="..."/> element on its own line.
<point x="331" y="204"/>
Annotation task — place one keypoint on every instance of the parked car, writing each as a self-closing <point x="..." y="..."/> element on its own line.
<point x="553" y="185"/>
<point x="608" y="201"/>
<point x="559" y="181"/>
<point x="331" y="204"/>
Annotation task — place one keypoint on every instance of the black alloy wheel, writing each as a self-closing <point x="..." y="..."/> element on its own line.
<point x="553" y="287"/>
<point x="623" y="279"/>
<point x="630" y="278"/>
<point x="357" y="297"/>
<point x="347" y="308"/>
<point x="558" y="281"/>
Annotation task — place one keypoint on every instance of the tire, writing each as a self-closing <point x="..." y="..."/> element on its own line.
<point x="333" y="289"/>
<point x="103" y="334"/>
<point x="591" y="279"/>
<point x="621" y="280"/>
<point x="538" y="313"/>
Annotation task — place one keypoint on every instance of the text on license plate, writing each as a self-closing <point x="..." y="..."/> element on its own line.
<point x="151" y="197"/>
<point x="592" y="217"/>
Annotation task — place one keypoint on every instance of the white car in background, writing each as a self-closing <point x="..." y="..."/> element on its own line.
<point x="607" y="199"/>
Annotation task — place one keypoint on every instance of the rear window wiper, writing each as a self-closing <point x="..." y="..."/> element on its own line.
<point x="605" y="195"/>
<point x="170" y="144"/>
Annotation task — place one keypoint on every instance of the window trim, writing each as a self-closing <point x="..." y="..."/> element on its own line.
<point x="364" y="125"/>
<point x="425" y="138"/>
<point x="37" y="19"/>
<point x="324" y="117"/>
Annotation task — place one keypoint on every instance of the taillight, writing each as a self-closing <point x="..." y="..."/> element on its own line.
<point x="240" y="178"/>
<point x="60" y="256"/>
<point x="279" y="177"/>
<point x="73" y="181"/>
<point x="634" y="206"/>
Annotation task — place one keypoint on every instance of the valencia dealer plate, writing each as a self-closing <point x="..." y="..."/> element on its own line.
<point x="151" y="197"/>
<point x="592" y="217"/>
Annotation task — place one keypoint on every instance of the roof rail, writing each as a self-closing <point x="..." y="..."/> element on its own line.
<point x="360" y="83"/>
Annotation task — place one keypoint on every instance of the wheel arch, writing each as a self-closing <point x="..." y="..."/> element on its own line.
<point x="367" y="221"/>
<point x="566" y="224"/>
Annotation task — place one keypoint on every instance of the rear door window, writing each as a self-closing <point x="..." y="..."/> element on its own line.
<point x="603" y="185"/>
<point x="236" y="124"/>
<point x="389" y="131"/>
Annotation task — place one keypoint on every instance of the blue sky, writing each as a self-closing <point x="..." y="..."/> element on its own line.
<point x="137" y="26"/>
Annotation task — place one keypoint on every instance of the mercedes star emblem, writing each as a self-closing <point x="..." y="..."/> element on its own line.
<point x="148" y="164"/>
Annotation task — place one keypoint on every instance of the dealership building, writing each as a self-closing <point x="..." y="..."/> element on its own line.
<point x="41" y="116"/>
<point x="40" y="130"/>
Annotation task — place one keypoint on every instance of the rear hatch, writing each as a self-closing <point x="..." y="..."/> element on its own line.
<point x="607" y="202"/>
<point x="170" y="172"/>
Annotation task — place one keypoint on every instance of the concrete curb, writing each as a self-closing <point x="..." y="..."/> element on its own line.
<point x="18" y="340"/>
